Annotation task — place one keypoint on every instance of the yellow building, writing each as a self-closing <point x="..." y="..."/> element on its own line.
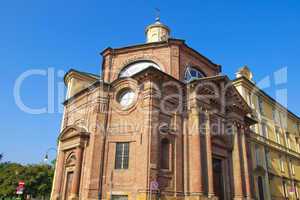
<point x="274" y="143"/>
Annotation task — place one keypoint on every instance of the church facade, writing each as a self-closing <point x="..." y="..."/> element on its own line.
<point x="162" y="122"/>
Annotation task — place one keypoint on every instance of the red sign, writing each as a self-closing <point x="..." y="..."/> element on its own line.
<point x="21" y="187"/>
<point x="21" y="183"/>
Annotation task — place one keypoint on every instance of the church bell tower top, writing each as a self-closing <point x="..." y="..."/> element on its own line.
<point x="157" y="31"/>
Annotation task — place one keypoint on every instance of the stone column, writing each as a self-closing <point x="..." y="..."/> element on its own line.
<point x="236" y="165"/>
<point x="210" y="181"/>
<point x="246" y="170"/>
<point x="77" y="175"/>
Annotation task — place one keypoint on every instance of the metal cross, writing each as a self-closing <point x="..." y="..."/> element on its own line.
<point x="157" y="14"/>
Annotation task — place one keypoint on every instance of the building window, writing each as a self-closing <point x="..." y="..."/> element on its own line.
<point x="126" y="97"/>
<point x="137" y="67"/>
<point x="165" y="154"/>
<point x="268" y="158"/>
<point x="292" y="167"/>
<point x="257" y="155"/>
<point x="284" y="188"/>
<point x="276" y="116"/>
<point x="296" y="190"/>
<point x="281" y="163"/>
<point x="119" y="197"/>
<point x="253" y="128"/>
<point x="284" y="120"/>
<point x="122" y="155"/>
<point x="264" y="130"/>
<point x="192" y="74"/>
<point x="260" y="105"/>
<point x="288" y="141"/>
<point x="277" y="135"/>
<point x="250" y="99"/>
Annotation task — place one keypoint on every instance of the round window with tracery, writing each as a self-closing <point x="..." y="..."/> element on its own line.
<point x="126" y="98"/>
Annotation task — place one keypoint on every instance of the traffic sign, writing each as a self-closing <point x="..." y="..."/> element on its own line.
<point x="21" y="183"/>
<point x="154" y="185"/>
<point x="20" y="188"/>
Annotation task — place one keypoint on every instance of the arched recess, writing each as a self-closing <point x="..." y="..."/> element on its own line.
<point x="138" y="66"/>
<point x="71" y="159"/>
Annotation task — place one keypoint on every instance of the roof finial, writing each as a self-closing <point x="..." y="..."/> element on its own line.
<point x="157" y="14"/>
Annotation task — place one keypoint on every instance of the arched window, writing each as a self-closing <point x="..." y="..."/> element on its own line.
<point x="71" y="160"/>
<point x="136" y="67"/>
<point x="192" y="73"/>
<point x="165" y="154"/>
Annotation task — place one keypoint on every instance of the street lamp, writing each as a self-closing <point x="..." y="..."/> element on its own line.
<point x="46" y="158"/>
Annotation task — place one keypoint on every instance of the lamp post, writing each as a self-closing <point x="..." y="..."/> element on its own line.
<point x="46" y="158"/>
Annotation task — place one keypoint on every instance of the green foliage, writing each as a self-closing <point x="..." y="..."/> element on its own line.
<point x="37" y="178"/>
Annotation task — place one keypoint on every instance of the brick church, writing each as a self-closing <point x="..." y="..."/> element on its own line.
<point x="161" y="122"/>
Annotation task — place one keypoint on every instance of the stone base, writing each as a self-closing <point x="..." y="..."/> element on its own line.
<point x="73" y="197"/>
<point x="213" y="197"/>
<point x="239" y="198"/>
<point x="55" y="197"/>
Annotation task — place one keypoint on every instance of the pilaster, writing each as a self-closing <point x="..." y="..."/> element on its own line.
<point x="237" y="175"/>
<point x="77" y="174"/>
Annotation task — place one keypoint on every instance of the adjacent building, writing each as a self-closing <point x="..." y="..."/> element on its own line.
<point x="274" y="141"/>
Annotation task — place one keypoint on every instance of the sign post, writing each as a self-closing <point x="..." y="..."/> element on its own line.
<point x="20" y="189"/>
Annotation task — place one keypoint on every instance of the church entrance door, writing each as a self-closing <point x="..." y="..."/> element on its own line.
<point x="218" y="178"/>
<point x="68" y="185"/>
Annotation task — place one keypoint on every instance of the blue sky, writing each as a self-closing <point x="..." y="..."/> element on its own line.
<point x="68" y="34"/>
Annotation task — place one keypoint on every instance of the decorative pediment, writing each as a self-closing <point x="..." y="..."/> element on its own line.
<point x="234" y="101"/>
<point x="220" y="91"/>
<point x="73" y="132"/>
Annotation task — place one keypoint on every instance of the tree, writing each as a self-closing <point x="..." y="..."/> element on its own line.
<point x="10" y="174"/>
<point x="1" y="156"/>
<point x="37" y="178"/>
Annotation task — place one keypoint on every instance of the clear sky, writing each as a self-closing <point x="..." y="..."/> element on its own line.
<point x="66" y="34"/>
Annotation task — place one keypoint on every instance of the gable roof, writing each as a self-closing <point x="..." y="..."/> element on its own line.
<point x="86" y="74"/>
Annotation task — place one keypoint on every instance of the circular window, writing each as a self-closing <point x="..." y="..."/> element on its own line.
<point x="126" y="98"/>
